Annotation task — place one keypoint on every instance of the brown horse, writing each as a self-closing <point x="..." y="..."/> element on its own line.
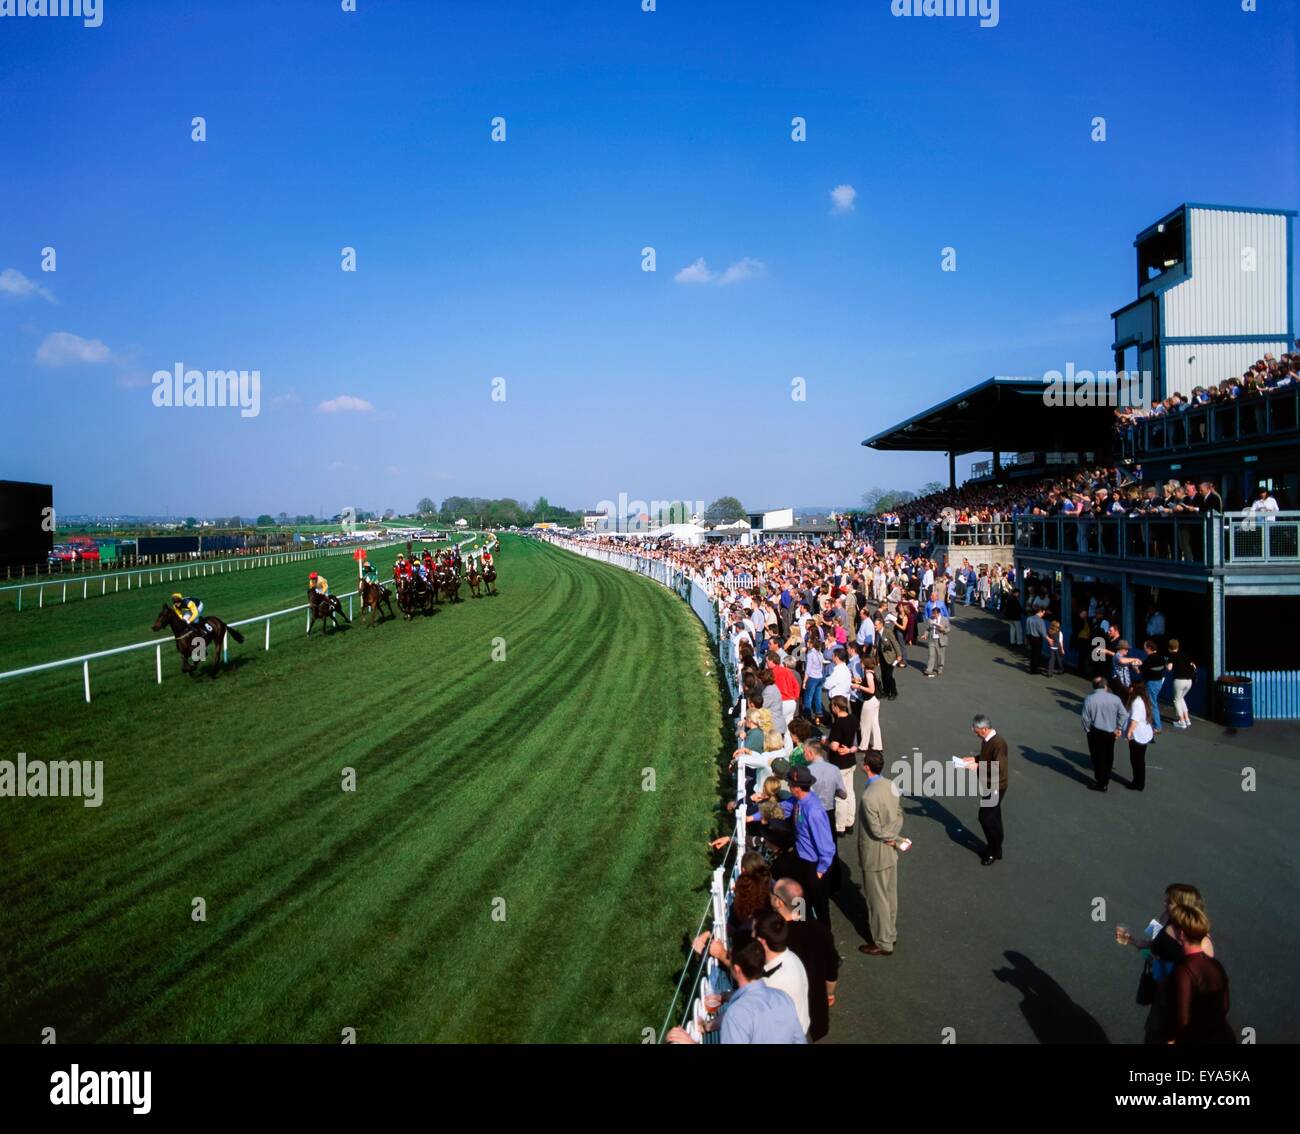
<point x="373" y="597"/>
<point x="326" y="607"/>
<point x="490" y="578"/>
<point x="451" y="584"/>
<point x="198" y="641"/>
<point x="475" y="580"/>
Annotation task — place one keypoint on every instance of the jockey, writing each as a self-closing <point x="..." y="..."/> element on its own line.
<point x="190" y="609"/>
<point x="318" y="585"/>
<point x="397" y="569"/>
<point x="368" y="572"/>
<point x="422" y="569"/>
<point x="486" y="557"/>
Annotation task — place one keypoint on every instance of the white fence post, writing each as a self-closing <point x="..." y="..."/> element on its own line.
<point x="159" y="663"/>
<point x="268" y="634"/>
<point x="85" y="673"/>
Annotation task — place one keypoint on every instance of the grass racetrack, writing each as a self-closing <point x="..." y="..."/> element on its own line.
<point x="483" y="788"/>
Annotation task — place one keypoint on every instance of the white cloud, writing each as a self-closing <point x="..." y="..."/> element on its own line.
<point x="62" y="348"/>
<point x="696" y="273"/>
<point x="842" y="198"/>
<point x="13" y="282"/>
<point x="345" y="403"/>
<point x="741" y="270"/>
<point x="700" y="273"/>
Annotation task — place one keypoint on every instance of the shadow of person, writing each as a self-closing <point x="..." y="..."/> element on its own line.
<point x="927" y="807"/>
<point x="1068" y="764"/>
<point x="852" y="903"/>
<point x="1048" y="1010"/>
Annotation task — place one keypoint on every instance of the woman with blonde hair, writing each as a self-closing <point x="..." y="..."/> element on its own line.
<point x="1055" y="643"/>
<point x="1162" y="950"/>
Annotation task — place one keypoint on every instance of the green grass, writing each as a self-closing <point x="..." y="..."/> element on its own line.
<point x="477" y="780"/>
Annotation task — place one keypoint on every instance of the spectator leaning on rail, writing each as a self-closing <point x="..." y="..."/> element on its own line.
<point x="755" y="1012"/>
<point x="813" y="855"/>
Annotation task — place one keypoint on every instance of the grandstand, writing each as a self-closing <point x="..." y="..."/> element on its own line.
<point x="1209" y="332"/>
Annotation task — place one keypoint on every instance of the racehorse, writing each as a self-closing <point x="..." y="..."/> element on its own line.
<point x="373" y="596"/>
<point x="406" y="596"/>
<point x="325" y="607"/>
<point x="451" y="584"/>
<point x="475" y="580"/>
<point x="197" y="641"/>
<point x="423" y="594"/>
<point x="490" y="578"/>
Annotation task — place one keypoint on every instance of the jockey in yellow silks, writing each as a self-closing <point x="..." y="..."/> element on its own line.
<point x="190" y="609"/>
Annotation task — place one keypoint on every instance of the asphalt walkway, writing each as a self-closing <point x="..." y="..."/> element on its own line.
<point x="1022" y="951"/>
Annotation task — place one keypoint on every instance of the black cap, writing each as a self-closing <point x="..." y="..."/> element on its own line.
<point x="800" y="777"/>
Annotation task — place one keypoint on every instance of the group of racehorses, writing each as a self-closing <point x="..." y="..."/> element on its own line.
<point x="204" y="639"/>
<point x="420" y="593"/>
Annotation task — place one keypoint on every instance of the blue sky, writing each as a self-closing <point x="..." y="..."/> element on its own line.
<point x="522" y="259"/>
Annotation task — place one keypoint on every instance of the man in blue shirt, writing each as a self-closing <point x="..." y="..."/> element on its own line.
<point x="809" y="862"/>
<point x="755" y="1012"/>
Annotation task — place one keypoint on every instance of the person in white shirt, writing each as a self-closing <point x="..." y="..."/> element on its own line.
<point x="839" y="682"/>
<point x="1265" y="504"/>
<point x="1138" y="731"/>
<point x="783" y="969"/>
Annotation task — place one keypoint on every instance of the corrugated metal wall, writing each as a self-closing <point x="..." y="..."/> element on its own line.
<point x="1222" y="298"/>
<point x="1213" y="362"/>
<point x="1275" y="694"/>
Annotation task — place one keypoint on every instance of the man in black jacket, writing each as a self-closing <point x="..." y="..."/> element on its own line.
<point x="991" y="765"/>
<point x="814" y="945"/>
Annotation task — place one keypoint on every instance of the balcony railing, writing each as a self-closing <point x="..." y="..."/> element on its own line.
<point x="1238" y="539"/>
<point x="1243" y="419"/>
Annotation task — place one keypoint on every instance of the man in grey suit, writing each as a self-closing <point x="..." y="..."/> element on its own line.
<point x="880" y="822"/>
<point x="939" y="630"/>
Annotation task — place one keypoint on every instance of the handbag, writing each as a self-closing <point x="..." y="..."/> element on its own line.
<point x="1147" y="986"/>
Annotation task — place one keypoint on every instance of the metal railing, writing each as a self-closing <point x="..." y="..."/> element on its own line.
<point x="157" y="644"/>
<point x="137" y="577"/>
<point x="1247" y="417"/>
<point x="1215" y="540"/>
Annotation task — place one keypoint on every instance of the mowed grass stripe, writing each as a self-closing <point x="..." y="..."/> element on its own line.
<point x="477" y="779"/>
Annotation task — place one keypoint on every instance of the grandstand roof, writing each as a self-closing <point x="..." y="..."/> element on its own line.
<point x="999" y="413"/>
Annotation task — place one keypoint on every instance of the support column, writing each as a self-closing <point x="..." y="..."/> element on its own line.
<point x="997" y="467"/>
<point x="952" y="470"/>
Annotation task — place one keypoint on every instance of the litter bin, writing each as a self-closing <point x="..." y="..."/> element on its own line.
<point x="1235" y="709"/>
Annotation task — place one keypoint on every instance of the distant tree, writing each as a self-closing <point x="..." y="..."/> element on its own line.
<point x="234" y="522"/>
<point x="676" y="512"/>
<point x="191" y="522"/>
<point x="724" y="510"/>
<point x="389" y="513"/>
<point x="930" y="487"/>
<point x="893" y="499"/>
<point x="426" y="507"/>
<point x="871" y="497"/>
<point x="264" y="521"/>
